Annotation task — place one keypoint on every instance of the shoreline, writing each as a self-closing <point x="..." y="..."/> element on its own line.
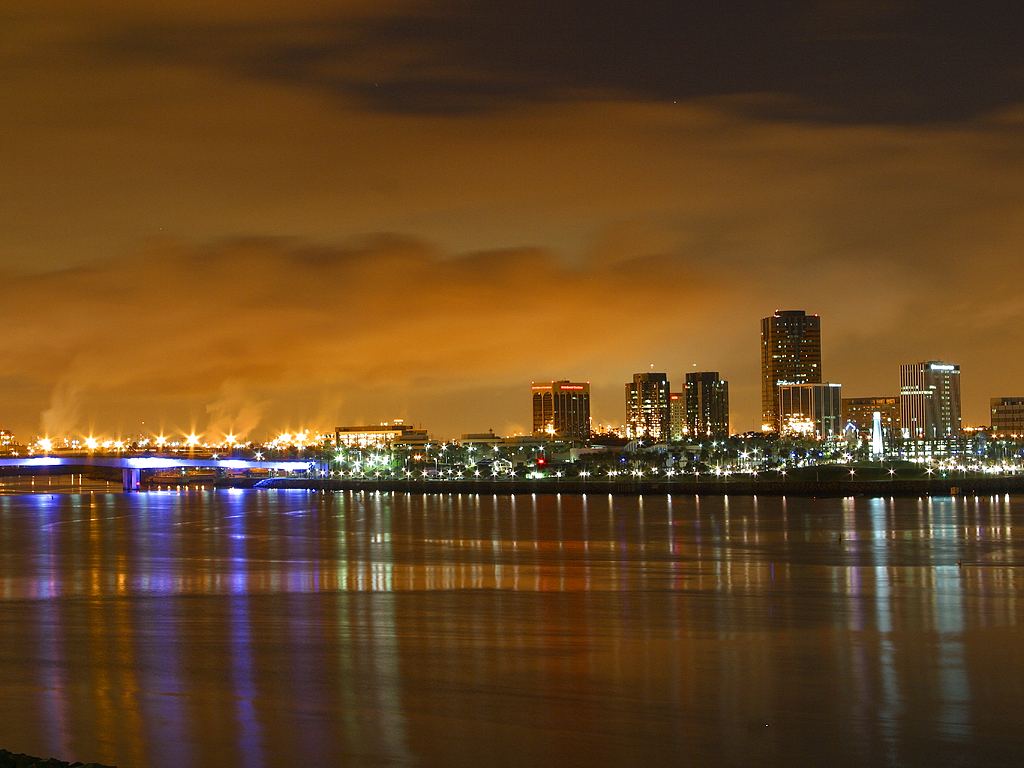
<point x="946" y="486"/>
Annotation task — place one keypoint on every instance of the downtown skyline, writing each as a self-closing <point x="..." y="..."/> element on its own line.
<point x="220" y="428"/>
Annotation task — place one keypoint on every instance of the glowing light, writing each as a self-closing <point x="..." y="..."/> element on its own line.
<point x="152" y="462"/>
<point x="799" y="425"/>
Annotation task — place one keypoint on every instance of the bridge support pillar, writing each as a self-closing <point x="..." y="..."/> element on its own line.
<point x="131" y="479"/>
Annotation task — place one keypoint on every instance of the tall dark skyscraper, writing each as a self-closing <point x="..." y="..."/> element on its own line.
<point x="707" y="404"/>
<point x="561" y="409"/>
<point x="790" y="354"/>
<point x="930" y="399"/>
<point x="648" y="413"/>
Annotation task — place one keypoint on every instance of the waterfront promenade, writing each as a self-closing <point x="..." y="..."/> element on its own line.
<point x="938" y="486"/>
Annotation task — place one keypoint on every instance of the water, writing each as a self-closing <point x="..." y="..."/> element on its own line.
<point x="218" y="628"/>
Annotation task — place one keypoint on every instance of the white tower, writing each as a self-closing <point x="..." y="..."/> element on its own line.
<point x="876" y="434"/>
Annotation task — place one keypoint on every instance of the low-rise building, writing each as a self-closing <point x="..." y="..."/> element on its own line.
<point x="383" y="435"/>
<point x="860" y="411"/>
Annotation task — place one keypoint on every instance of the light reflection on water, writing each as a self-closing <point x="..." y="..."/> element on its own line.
<point x="269" y="628"/>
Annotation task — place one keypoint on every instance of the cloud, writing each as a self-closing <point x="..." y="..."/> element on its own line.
<point x="65" y="410"/>
<point x="260" y="334"/>
<point x="235" y="411"/>
<point x="822" y="60"/>
<point x="237" y="329"/>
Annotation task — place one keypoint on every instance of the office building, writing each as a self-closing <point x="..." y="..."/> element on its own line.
<point x="707" y="404"/>
<point x="648" y="415"/>
<point x="383" y="435"/>
<point x="860" y="411"/>
<point x="790" y="354"/>
<point x="1007" y="415"/>
<point x="930" y="400"/>
<point x="677" y="415"/>
<point x="813" y="411"/>
<point x="561" y="409"/>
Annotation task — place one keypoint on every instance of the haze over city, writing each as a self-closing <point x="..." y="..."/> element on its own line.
<point x="272" y="215"/>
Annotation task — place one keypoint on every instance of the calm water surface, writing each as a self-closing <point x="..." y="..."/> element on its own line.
<point x="218" y="628"/>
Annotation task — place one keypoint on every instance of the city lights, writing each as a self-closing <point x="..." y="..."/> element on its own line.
<point x="667" y="437"/>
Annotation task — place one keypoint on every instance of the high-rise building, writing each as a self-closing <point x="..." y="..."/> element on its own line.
<point x="561" y="409"/>
<point x="930" y="400"/>
<point x="859" y="411"/>
<point x="677" y="415"/>
<point x="648" y="414"/>
<point x="1008" y="415"/>
<point x="790" y="354"/>
<point x="707" y="404"/>
<point x="813" y="411"/>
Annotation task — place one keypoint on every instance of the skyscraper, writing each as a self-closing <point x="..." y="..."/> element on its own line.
<point x="677" y="415"/>
<point x="790" y="353"/>
<point x="930" y="399"/>
<point x="648" y="413"/>
<point x="562" y="409"/>
<point x="707" y="404"/>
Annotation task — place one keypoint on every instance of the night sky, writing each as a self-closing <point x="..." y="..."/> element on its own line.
<point x="274" y="214"/>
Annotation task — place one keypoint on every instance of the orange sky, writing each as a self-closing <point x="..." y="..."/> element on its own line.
<point x="274" y="215"/>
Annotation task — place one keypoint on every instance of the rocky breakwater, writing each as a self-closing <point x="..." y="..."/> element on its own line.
<point x="12" y="760"/>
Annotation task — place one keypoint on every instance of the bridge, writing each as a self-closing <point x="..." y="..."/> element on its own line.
<point x="132" y="467"/>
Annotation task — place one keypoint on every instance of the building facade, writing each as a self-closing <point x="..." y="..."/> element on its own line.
<point x="561" y="409"/>
<point x="860" y="411"/>
<point x="677" y="415"/>
<point x="930" y="400"/>
<point x="813" y="411"/>
<point x="790" y="354"/>
<point x="396" y="433"/>
<point x="1007" y="415"/>
<point x="648" y="413"/>
<point x="707" y="404"/>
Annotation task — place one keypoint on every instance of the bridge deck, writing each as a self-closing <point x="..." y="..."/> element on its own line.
<point x="152" y="462"/>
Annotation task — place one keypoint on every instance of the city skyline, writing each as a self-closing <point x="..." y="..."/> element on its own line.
<point x="541" y="415"/>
